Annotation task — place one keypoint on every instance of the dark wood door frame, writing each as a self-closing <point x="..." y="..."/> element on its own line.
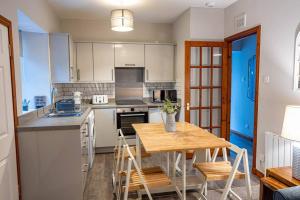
<point x="256" y="30"/>
<point x="7" y="23"/>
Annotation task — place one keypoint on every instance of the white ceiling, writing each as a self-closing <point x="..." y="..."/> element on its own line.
<point x="156" y="11"/>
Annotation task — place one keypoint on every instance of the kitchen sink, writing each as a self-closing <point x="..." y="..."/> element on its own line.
<point x="64" y="114"/>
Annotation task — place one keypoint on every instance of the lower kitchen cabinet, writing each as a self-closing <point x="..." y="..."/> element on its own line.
<point x="155" y="115"/>
<point x="105" y="127"/>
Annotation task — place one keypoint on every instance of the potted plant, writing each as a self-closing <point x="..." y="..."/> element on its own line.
<point x="171" y="110"/>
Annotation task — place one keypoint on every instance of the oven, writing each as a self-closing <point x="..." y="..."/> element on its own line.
<point x="128" y="116"/>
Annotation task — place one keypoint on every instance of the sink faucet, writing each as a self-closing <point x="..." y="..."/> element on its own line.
<point x="53" y="95"/>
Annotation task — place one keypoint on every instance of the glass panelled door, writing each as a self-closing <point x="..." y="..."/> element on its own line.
<point x="204" y="84"/>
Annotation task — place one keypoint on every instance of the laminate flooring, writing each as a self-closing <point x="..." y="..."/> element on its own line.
<point x="99" y="181"/>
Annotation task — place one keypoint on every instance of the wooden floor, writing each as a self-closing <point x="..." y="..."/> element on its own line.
<point x="99" y="183"/>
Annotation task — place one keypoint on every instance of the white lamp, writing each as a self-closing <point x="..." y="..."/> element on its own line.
<point x="291" y="131"/>
<point x="122" y="20"/>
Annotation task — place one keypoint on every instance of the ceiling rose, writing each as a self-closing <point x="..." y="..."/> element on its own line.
<point x="121" y="20"/>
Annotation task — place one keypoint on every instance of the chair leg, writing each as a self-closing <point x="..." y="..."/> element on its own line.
<point x="247" y="177"/>
<point x="139" y="195"/>
<point x="232" y="175"/>
<point x="177" y="163"/>
<point x="127" y="180"/>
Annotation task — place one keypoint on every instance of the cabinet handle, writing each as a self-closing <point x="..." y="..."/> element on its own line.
<point x="114" y="117"/>
<point x="78" y="74"/>
<point x="147" y="74"/>
<point x="129" y="65"/>
<point x="112" y="74"/>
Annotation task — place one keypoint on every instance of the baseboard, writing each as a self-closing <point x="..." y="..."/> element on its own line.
<point x="241" y="135"/>
<point x="104" y="150"/>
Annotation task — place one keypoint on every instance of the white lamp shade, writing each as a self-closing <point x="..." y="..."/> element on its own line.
<point x="122" y="20"/>
<point x="291" y="123"/>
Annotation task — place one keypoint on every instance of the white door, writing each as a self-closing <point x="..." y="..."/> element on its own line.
<point x="103" y="62"/>
<point x="159" y="63"/>
<point x="85" y="66"/>
<point x="8" y="169"/>
<point x="129" y="55"/>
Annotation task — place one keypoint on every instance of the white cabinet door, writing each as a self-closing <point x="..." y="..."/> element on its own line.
<point x="105" y="127"/>
<point x="155" y="115"/>
<point x="159" y="63"/>
<point x="103" y="62"/>
<point x="60" y="54"/>
<point x="129" y="55"/>
<point x="85" y="67"/>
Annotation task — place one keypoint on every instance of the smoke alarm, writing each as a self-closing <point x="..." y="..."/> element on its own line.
<point x="210" y="4"/>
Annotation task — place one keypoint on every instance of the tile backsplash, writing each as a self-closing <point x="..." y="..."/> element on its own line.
<point x="65" y="90"/>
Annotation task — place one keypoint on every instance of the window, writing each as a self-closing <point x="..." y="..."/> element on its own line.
<point x="297" y="62"/>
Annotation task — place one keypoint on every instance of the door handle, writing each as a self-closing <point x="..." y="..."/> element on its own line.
<point x="114" y="117"/>
<point x="112" y="74"/>
<point x="187" y="106"/>
<point x="147" y="74"/>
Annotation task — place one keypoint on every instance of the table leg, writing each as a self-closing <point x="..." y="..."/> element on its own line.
<point x="138" y="151"/>
<point x="168" y="163"/>
<point x="184" y="175"/>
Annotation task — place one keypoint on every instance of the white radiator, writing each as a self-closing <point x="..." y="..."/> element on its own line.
<point x="278" y="151"/>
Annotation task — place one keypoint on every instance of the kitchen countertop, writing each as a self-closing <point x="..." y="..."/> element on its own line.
<point x="66" y="123"/>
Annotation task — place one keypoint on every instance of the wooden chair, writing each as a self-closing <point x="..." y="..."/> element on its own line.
<point x="117" y="156"/>
<point x="223" y="170"/>
<point x="139" y="179"/>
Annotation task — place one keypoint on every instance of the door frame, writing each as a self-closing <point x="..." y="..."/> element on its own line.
<point x="229" y="40"/>
<point x="7" y="23"/>
<point x="188" y="45"/>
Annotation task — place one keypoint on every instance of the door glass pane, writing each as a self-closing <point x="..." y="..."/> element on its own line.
<point x="217" y="56"/>
<point x="205" y="98"/>
<point x="195" y="97"/>
<point x="194" y="117"/>
<point x="206" y="56"/>
<point x="195" y="77"/>
<point x="216" y="117"/>
<point x="216" y="131"/>
<point x="206" y="76"/>
<point x="205" y="118"/>
<point x="217" y="97"/>
<point x="217" y="77"/>
<point x="195" y="56"/>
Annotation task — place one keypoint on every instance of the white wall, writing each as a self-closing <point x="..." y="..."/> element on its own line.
<point x="35" y="69"/>
<point x="40" y="12"/>
<point x="181" y="33"/>
<point x="279" y="20"/>
<point x="99" y="30"/>
<point x="207" y="24"/>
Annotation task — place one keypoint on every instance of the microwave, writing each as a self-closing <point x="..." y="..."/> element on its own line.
<point x="159" y="96"/>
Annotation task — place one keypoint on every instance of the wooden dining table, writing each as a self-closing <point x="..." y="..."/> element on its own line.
<point x="154" y="139"/>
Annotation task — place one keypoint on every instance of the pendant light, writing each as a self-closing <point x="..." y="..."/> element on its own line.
<point x="121" y="20"/>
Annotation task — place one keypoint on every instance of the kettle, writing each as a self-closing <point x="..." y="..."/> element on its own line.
<point x="77" y="98"/>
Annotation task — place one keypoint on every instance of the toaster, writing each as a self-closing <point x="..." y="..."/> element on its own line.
<point x="100" y="99"/>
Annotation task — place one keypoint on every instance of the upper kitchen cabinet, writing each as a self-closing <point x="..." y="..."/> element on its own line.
<point x="62" y="58"/>
<point x="159" y="62"/>
<point x="129" y="55"/>
<point x="103" y="62"/>
<point x="84" y="57"/>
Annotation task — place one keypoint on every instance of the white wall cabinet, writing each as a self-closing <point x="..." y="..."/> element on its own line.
<point x="62" y="58"/>
<point x="85" y="66"/>
<point x="105" y="127"/>
<point x="129" y="55"/>
<point x="103" y="62"/>
<point x="159" y="63"/>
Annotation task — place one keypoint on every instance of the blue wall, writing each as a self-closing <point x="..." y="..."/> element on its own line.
<point x="242" y="104"/>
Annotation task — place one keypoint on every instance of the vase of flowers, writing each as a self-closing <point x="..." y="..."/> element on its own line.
<point x="171" y="110"/>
